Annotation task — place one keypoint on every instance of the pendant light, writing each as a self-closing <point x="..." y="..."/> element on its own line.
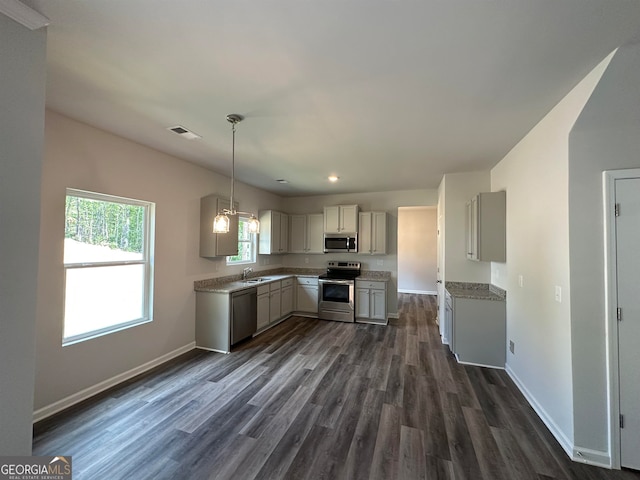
<point x="221" y="222"/>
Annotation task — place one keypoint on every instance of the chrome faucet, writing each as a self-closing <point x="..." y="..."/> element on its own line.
<point x="246" y="272"/>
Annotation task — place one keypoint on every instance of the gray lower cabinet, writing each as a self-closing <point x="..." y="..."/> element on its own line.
<point x="371" y="301"/>
<point x="275" y="302"/>
<point x="307" y="295"/>
<point x="478" y="331"/>
<point x="264" y="301"/>
<point x="275" y="294"/>
<point x="224" y="319"/>
<point x="286" y="297"/>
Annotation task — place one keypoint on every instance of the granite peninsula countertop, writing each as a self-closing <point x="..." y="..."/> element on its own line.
<point x="234" y="283"/>
<point x="477" y="291"/>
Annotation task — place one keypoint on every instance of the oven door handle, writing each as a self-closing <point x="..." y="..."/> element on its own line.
<point x="339" y="282"/>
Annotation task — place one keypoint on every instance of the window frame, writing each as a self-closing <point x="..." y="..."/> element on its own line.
<point x="147" y="261"/>
<point x="252" y="241"/>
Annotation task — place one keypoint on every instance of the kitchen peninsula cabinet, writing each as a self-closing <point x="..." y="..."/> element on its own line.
<point x="372" y="234"/>
<point x="486" y="227"/>
<point x="476" y="324"/>
<point x="306" y="233"/>
<point x="217" y="244"/>
<point x="341" y="219"/>
<point x="274" y="232"/>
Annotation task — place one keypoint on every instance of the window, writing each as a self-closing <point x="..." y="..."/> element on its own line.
<point x="108" y="252"/>
<point x="246" y="244"/>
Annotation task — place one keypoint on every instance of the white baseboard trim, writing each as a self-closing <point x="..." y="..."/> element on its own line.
<point x="592" y="457"/>
<point x="418" y="292"/>
<point x="78" y="397"/>
<point x="462" y="362"/>
<point x="565" y="443"/>
<point x="215" y="350"/>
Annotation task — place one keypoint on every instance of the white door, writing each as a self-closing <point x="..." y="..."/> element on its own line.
<point x="627" y="193"/>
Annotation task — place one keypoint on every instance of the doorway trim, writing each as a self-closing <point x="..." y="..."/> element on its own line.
<point x="609" y="178"/>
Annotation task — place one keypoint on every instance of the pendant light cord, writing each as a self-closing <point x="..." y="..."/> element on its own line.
<point x="233" y="164"/>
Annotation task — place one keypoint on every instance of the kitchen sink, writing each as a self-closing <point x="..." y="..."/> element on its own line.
<point x="256" y="280"/>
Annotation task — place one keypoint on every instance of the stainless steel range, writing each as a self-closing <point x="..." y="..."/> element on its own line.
<point x="337" y="291"/>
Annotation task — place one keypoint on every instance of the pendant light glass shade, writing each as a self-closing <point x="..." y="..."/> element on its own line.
<point x="254" y="225"/>
<point x="221" y="223"/>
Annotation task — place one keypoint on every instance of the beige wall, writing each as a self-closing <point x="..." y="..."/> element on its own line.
<point x="83" y="157"/>
<point x="417" y="250"/>
<point x="535" y="176"/>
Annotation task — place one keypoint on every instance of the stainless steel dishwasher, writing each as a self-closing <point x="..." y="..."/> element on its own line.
<point x="244" y="314"/>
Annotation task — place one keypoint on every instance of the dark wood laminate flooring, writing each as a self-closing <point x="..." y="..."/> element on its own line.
<point x="312" y="399"/>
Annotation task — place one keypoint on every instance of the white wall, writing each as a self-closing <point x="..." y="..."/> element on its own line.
<point x="535" y="176"/>
<point x="22" y="77"/>
<point x="417" y="250"/>
<point x="83" y="157"/>
<point x="605" y="137"/>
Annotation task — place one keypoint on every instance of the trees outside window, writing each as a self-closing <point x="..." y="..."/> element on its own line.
<point x="246" y="244"/>
<point x="108" y="252"/>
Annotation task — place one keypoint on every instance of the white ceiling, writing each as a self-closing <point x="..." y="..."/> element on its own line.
<point x="388" y="95"/>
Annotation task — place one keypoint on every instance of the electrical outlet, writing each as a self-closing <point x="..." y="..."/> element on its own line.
<point x="380" y="263"/>
<point x="512" y="346"/>
<point x="306" y="259"/>
<point x="558" y="295"/>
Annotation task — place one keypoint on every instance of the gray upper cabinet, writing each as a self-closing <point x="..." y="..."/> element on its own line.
<point x="341" y="219"/>
<point x="306" y="233"/>
<point x="274" y="232"/>
<point x="216" y="244"/>
<point x="486" y="227"/>
<point x="372" y="237"/>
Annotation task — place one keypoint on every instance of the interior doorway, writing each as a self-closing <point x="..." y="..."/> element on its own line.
<point x="417" y="250"/>
<point x="622" y="211"/>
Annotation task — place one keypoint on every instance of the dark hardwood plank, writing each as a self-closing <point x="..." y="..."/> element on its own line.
<point x="412" y="463"/>
<point x="386" y="453"/>
<point x="360" y="456"/>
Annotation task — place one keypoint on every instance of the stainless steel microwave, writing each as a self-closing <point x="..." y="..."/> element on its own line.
<point x="340" y="242"/>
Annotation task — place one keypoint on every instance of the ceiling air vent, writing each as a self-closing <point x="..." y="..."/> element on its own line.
<point x="183" y="132"/>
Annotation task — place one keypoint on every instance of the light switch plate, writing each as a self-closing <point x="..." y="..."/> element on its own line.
<point x="520" y="281"/>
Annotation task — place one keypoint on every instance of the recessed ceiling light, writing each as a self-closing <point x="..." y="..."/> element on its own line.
<point x="282" y="180"/>
<point x="333" y="178"/>
<point x="183" y="132"/>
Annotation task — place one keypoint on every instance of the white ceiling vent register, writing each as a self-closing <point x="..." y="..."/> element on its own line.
<point x="22" y="14"/>
<point x="183" y="132"/>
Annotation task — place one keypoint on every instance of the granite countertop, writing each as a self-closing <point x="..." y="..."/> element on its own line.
<point x="477" y="291"/>
<point x="374" y="276"/>
<point x="234" y="283"/>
